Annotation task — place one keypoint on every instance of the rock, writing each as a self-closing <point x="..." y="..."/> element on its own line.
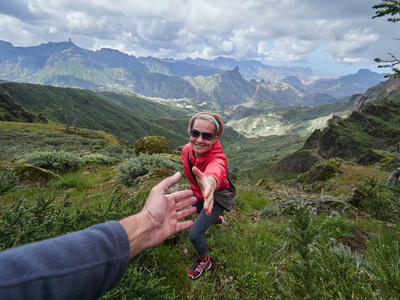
<point x="355" y="198"/>
<point x="369" y="158"/>
<point x="298" y="162"/>
<point x="152" y="145"/>
<point x="320" y="172"/>
<point x="32" y="173"/>
<point x="266" y="184"/>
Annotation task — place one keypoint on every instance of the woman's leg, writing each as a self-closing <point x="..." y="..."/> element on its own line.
<point x="200" y="226"/>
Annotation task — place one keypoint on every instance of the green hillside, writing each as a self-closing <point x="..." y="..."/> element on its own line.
<point x="86" y="109"/>
<point x="20" y="138"/>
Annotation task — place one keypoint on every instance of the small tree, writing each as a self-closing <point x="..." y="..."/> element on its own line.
<point x="392" y="8"/>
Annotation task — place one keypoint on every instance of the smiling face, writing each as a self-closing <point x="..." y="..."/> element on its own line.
<point x="199" y="145"/>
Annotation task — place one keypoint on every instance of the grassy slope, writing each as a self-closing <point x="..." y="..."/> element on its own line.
<point x="18" y="138"/>
<point x="84" y="109"/>
<point x="254" y="254"/>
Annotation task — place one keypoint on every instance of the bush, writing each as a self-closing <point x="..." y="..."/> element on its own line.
<point x="137" y="283"/>
<point x="129" y="171"/>
<point x="379" y="201"/>
<point x="8" y="181"/>
<point x="99" y="159"/>
<point x="115" y="149"/>
<point x="58" y="162"/>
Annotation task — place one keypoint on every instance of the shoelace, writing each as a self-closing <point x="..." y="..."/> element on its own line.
<point x="201" y="265"/>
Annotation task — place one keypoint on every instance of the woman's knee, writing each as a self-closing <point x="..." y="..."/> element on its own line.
<point x="194" y="235"/>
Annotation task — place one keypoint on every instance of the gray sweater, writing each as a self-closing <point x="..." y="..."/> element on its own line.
<point x="79" y="265"/>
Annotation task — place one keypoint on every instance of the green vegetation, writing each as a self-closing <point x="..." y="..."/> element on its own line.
<point x="389" y="8"/>
<point x="253" y="159"/>
<point x="129" y="171"/>
<point x="18" y="139"/>
<point x="8" y="180"/>
<point x="85" y="109"/>
<point x="271" y="245"/>
<point x="58" y="162"/>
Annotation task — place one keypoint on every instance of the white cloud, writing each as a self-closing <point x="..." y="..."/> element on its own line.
<point x="52" y="29"/>
<point x="286" y="31"/>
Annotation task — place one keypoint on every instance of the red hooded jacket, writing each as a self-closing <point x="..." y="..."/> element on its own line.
<point x="213" y="163"/>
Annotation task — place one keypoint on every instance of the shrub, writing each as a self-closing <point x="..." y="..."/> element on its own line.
<point x="8" y="181"/>
<point x="99" y="159"/>
<point x="321" y="267"/>
<point x="379" y="201"/>
<point x="137" y="283"/>
<point x="129" y="171"/>
<point x="58" y="162"/>
<point x="384" y="263"/>
<point x="115" y="149"/>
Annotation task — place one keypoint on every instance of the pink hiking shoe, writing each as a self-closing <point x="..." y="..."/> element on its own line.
<point x="198" y="267"/>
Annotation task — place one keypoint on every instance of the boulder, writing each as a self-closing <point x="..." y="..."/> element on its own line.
<point x="152" y="145"/>
<point x="32" y="173"/>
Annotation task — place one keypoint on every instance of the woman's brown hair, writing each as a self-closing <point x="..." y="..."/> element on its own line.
<point x="203" y="116"/>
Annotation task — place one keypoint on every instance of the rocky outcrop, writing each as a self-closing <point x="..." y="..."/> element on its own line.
<point x="374" y="127"/>
<point x="299" y="162"/>
<point x="152" y="145"/>
<point x="32" y="173"/>
<point x="376" y="94"/>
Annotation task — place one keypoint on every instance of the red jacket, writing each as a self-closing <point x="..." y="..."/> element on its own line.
<point x="213" y="163"/>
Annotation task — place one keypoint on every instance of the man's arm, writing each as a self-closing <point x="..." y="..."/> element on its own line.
<point x="87" y="263"/>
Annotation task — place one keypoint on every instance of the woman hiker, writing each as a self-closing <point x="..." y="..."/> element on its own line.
<point x="205" y="166"/>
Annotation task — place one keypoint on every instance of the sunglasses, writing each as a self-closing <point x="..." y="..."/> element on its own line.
<point x="207" y="136"/>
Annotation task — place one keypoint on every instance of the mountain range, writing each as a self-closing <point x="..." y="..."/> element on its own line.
<point x="222" y="80"/>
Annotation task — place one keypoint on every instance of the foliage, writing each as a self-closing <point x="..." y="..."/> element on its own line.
<point x="17" y="139"/>
<point x="89" y="158"/>
<point x="388" y="7"/>
<point x="380" y="201"/>
<point x="129" y="171"/>
<point x="257" y="253"/>
<point x="375" y="126"/>
<point x="137" y="283"/>
<point x="392" y="8"/>
<point x="8" y="181"/>
<point x="85" y="109"/>
<point x="252" y="159"/>
<point x="324" y="268"/>
<point x="58" y="162"/>
<point x="11" y="111"/>
<point x="384" y="263"/>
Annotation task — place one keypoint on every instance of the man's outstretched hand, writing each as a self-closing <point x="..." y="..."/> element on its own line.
<point x="159" y="218"/>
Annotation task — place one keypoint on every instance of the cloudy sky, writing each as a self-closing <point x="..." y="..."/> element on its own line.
<point x="336" y="36"/>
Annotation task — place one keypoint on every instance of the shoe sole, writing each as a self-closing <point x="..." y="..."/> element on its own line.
<point x="205" y="269"/>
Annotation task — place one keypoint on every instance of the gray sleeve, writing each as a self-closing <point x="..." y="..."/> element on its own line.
<point x="79" y="265"/>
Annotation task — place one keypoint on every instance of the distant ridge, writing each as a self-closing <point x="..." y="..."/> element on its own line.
<point x="65" y="64"/>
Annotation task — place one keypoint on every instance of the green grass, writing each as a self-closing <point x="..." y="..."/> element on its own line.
<point x="18" y="139"/>
<point x="255" y="255"/>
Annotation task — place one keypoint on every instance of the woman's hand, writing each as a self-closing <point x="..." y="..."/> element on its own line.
<point x="207" y="184"/>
